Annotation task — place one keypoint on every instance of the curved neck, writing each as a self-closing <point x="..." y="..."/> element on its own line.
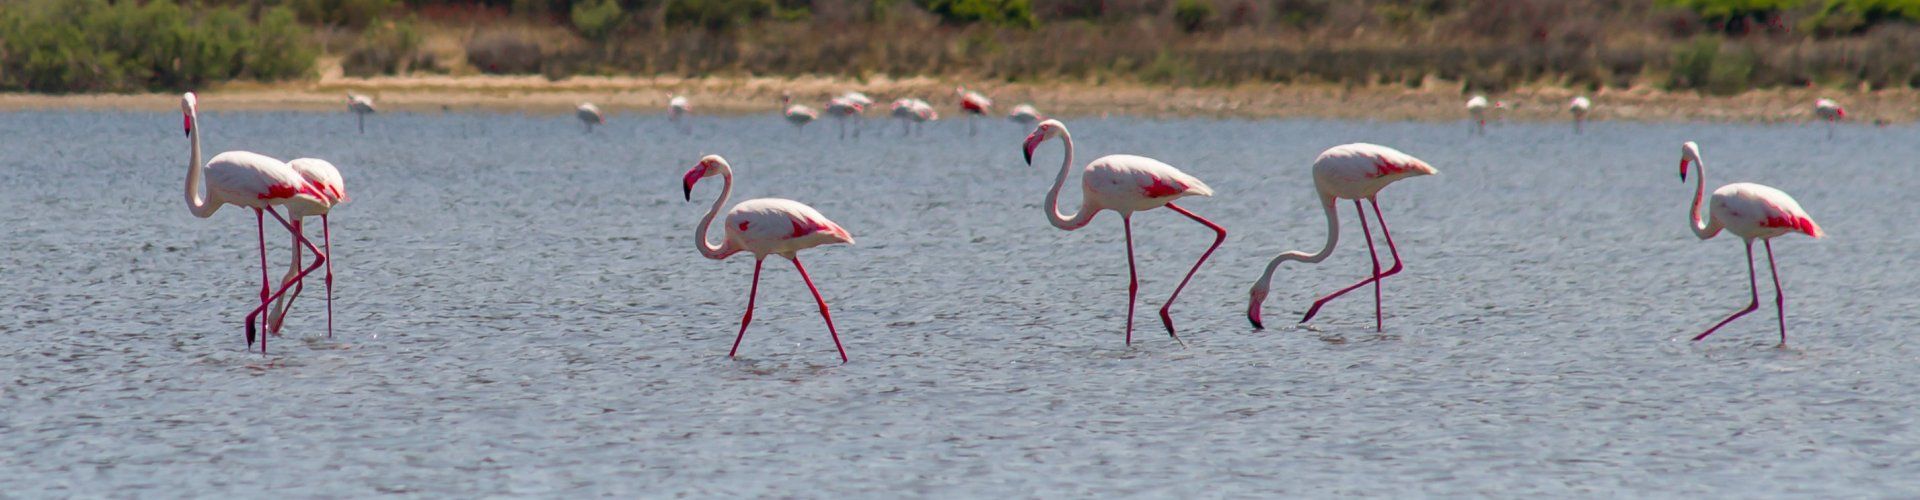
<point x="1701" y="229"/>
<point x="1052" y="206"/>
<point x="196" y="202"/>
<point x="724" y="249"/>
<point x="1333" y="236"/>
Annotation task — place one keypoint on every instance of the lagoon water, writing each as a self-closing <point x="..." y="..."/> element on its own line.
<point x="520" y="311"/>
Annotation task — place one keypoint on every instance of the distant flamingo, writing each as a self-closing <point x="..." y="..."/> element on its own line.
<point x="361" y="106"/>
<point x="677" y="110"/>
<point x="1579" y="107"/>
<point x="1750" y="211"/>
<point x="912" y="113"/>
<point x="249" y="180"/>
<point x="1352" y="171"/>
<point x="589" y="114"/>
<point x="841" y="108"/>
<point x="1124" y="184"/>
<point x="859" y="119"/>
<point x="797" y="114"/>
<point x="1477" y="107"/>
<point x="1025" y="114"/>
<point x="325" y="179"/>
<point x="1830" y="111"/>
<point x="973" y="104"/>
<point x="764" y="226"/>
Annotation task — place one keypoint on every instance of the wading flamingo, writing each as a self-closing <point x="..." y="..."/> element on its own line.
<point x="1830" y="111"/>
<point x="866" y="103"/>
<point x="797" y="114"/>
<point x="1580" y="106"/>
<point x="1477" y="108"/>
<point x="677" y="110"/>
<point x="764" y="226"/>
<point x="333" y="189"/>
<point x="1352" y="171"/>
<point x="1025" y="114"/>
<point x="361" y="106"/>
<point x="251" y="180"/>
<point x="841" y="108"/>
<point x="1124" y="184"/>
<point x="973" y="104"/>
<point x="589" y="114"/>
<point x="912" y="113"/>
<point x="1750" y="211"/>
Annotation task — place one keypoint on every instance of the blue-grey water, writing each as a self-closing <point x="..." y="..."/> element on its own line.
<point x="521" y="311"/>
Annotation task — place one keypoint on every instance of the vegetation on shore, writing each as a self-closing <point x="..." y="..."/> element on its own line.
<point x="1711" y="46"/>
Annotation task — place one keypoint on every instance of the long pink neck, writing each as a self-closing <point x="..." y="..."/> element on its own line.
<point x="1333" y="236"/>
<point x="1701" y="229"/>
<point x="1059" y="220"/>
<point x="725" y="248"/>
<point x="197" y="202"/>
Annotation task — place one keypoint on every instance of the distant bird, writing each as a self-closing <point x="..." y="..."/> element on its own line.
<point x="1352" y="171"/>
<point x="589" y="114"/>
<point x="677" y="110"/>
<point x="1750" y="211"/>
<point x="1477" y="107"/>
<point x="912" y="113"/>
<point x="333" y="190"/>
<point x="763" y="226"/>
<point x="251" y="180"/>
<point x="797" y="114"/>
<point x="1830" y="111"/>
<point x="859" y="119"/>
<point x="1024" y="114"/>
<point x="361" y="106"/>
<point x="973" y="104"/>
<point x="1580" y="106"/>
<point x="841" y="108"/>
<point x="1124" y="184"/>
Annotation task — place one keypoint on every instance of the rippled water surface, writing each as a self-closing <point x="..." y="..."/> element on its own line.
<point x="521" y="311"/>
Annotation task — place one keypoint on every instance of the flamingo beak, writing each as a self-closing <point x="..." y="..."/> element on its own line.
<point x="1253" y="309"/>
<point x="694" y="175"/>
<point x="187" y="124"/>
<point x="1683" y="169"/>
<point x="1033" y="141"/>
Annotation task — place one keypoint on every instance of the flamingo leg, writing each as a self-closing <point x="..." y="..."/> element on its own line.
<point x="326" y="235"/>
<point x="363" y="122"/>
<point x="319" y="260"/>
<point x="752" y="291"/>
<point x="823" y="307"/>
<point x="278" y="318"/>
<point x="1133" y="276"/>
<point x="1220" y="236"/>
<point x="260" y="227"/>
<point x="1311" y="311"/>
<point x="1754" y="284"/>
<point x="1779" y="295"/>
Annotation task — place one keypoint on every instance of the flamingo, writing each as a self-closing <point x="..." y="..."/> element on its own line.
<point x="1579" y="107"/>
<point x="589" y="114"/>
<point x="361" y="106"/>
<point x="1025" y="114"/>
<point x="1477" y="107"/>
<point x="840" y="108"/>
<point x="859" y="119"/>
<point x="1750" y="211"/>
<point x="1124" y="184"/>
<point x="764" y="226"/>
<point x="973" y="104"/>
<point x="251" y="180"/>
<point x="1827" y="109"/>
<point x="797" y="114"/>
<point x="1352" y="171"/>
<point x="677" y="109"/>
<point x="912" y="113"/>
<point x="326" y="179"/>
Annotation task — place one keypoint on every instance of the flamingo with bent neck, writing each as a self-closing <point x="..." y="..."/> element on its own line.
<point x="763" y="226"/>
<point x="327" y="180"/>
<point x="1124" y="184"/>
<point x="1750" y="211"/>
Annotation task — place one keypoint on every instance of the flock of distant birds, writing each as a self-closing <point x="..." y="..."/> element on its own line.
<point x="1124" y="184"/>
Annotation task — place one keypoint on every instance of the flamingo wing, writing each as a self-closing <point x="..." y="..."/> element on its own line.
<point x="1140" y="177"/>
<point x="323" y="176"/>
<point x="248" y="176"/>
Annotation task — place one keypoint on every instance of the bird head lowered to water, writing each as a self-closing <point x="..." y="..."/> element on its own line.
<point x="1041" y="133"/>
<point x="709" y="166"/>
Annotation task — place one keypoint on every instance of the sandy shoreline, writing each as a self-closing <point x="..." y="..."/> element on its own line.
<point x="1436" y="101"/>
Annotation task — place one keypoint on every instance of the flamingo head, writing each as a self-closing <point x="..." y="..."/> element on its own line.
<point x="1046" y="130"/>
<point x="709" y="166"/>
<point x="1258" y="296"/>
<point x="189" y="106"/>
<point x="1689" y="152"/>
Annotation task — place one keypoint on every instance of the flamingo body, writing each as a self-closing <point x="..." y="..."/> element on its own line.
<point x="590" y="115"/>
<point x="1579" y="107"/>
<point x="1025" y="114"/>
<point x="360" y="106"/>
<point x="1752" y="212"/>
<point x="1360" y="170"/>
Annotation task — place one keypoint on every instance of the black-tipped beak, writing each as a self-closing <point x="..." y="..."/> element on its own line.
<point x="686" y="182"/>
<point x="1256" y="323"/>
<point x="687" y="191"/>
<point x="1683" y="170"/>
<point x="1029" y="154"/>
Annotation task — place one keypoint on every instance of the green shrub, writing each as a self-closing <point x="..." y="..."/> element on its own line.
<point x="92" y="45"/>
<point x="1010" y="13"/>
<point x="716" y="15"/>
<point x="1192" y="15"/>
<point x="597" y="19"/>
<point x="504" y="52"/>
<point x="1705" y="65"/>
<point x="384" y="49"/>
<point x="347" y="13"/>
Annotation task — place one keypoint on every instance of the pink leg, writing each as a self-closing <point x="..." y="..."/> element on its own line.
<point x="1376" y="264"/>
<point x="1395" y="251"/>
<point x="326" y="234"/>
<point x="1779" y="295"/>
<point x="278" y="321"/>
<point x="823" y="308"/>
<point x="319" y="260"/>
<point x="1133" y="279"/>
<point x="1220" y="236"/>
<point x="752" y="291"/>
<point x="260" y="226"/>
<point x="1752" y="282"/>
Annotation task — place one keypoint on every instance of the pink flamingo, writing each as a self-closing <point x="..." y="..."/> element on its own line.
<point x="326" y="179"/>
<point x="973" y="104"/>
<point x="677" y="110"/>
<point x="1579" y="106"/>
<point x="797" y="114"/>
<point x="1829" y="111"/>
<point x="251" y="180"/>
<point x="764" y="226"/>
<point x="1750" y="211"/>
<point x="1124" y="184"/>
<point x="841" y="108"/>
<point x="590" y="115"/>
<point x="1353" y="171"/>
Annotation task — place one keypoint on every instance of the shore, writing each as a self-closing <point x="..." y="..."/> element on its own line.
<point x="1434" y="101"/>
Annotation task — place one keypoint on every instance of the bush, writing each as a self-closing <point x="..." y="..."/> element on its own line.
<point x="347" y="13"/>
<point x="384" y="49"/>
<point x="1010" y="13"/>
<point x="1704" y="65"/>
<point x="597" y="19"/>
<point x="1192" y="15"/>
<point x="92" y="45"/>
<point x="504" y="52"/>
<point x="716" y="15"/>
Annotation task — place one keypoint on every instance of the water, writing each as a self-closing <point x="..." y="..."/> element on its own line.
<point x="521" y="312"/>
